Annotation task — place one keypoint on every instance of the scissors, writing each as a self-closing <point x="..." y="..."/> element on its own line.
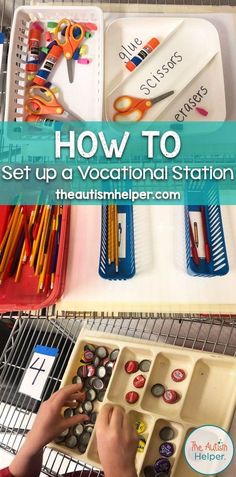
<point x="69" y="36"/>
<point x="133" y="109"/>
<point x="42" y="101"/>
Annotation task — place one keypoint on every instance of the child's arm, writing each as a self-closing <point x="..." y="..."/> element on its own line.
<point x="48" y="424"/>
<point x="117" y="442"/>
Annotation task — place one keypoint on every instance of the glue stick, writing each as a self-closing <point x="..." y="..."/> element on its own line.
<point x="48" y="65"/>
<point x="33" y="49"/>
<point x="50" y="123"/>
<point x="146" y="50"/>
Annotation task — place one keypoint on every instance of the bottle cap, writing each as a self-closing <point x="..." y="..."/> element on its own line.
<point x="157" y="390"/>
<point x="101" y="352"/>
<point x="68" y="412"/>
<point x="178" y="375"/>
<point x="78" y="429"/>
<point x="71" y="442"/>
<point x="167" y="433"/>
<point x="162" y="465"/>
<point x="170" y="396"/>
<point x="140" y="427"/>
<point x="131" y="397"/>
<point x="91" y="395"/>
<point x="100" y="371"/>
<point x="144" y="365"/>
<point x="166" y="449"/>
<point x="131" y="367"/>
<point x="139" y="381"/>
<point x="114" y="354"/>
<point x="149" y="471"/>
<point x="141" y="444"/>
<point x="88" y="356"/>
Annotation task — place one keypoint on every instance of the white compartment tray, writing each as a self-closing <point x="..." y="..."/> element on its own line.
<point x="197" y="404"/>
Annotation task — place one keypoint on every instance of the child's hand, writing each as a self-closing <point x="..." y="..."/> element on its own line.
<point x="49" y="422"/>
<point x="116" y="442"/>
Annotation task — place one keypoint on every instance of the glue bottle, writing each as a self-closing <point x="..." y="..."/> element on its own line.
<point x="48" y="65"/>
<point x="33" y="48"/>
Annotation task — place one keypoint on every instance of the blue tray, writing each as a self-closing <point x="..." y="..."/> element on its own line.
<point x="127" y="264"/>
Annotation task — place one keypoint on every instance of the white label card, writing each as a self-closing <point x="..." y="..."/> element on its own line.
<point x="38" y="370"/>
<point x="122" y="235"/>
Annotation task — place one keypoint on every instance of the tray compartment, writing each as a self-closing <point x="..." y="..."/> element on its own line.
<point x="211" y="393"/>
<point x="164" y="364"/>
<point x="153" y="454"/>
<point x="135" y="416"/>
<point x="182" y="468"/>
<point x="122" y="382"/>
<point x="71" y="371"/>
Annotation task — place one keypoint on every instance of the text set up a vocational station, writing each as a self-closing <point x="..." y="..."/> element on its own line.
<point x="161" y="389"/>
<point x="58" y="56"/>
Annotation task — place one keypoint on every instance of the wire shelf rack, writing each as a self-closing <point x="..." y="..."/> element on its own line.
<point x="22" y="333"/>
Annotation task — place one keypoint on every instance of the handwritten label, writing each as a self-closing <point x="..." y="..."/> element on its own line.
<point x="38" y="370"/>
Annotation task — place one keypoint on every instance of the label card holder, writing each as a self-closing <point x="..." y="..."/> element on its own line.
<point x="38" y="370"/>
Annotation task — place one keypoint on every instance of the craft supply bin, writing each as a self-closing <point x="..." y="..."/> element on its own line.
<point x="215" y="334"/>
<point x="23" y="295"/>
<point x="196" y="404"/>
<point x="84" y="97"/>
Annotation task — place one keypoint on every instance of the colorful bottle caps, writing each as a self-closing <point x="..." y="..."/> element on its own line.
<point x="88" y="356"/>
<point x="166" y="449"/>
<point x="149" y="471"/>
<point x="91" y="395"/>
<point x="131" y="397"/>
<point x="140" y="427"/>
<point x="101" y="352"/>
<point x="178" y="375"/>
<point x="141" y="444"/>
<point x="71" y="442"/>
<point x="68" y="412"/>
<point x="170" y="396"/>
<point x="139" y="381"/>
<point x="114" y="354"/>
<point x="78" y="429"/>
<point x="157" y="390"/>
<point x="101" y="395"/>
<point x="144" y="365"/>
<point x="162" y="465"/>
<point x="167" y="433"/>
<point x="131" y="367"/>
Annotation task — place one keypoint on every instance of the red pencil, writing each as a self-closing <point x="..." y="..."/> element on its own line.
<point x="194" y="251"/>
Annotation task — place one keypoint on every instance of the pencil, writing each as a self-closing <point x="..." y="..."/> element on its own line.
<point x="10" y="236"/>
<point x="39" y="264"/>
<point x="116" y="238"/>
<point x="36" y="242"/>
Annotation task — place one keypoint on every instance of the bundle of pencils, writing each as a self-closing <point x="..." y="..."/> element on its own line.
<point x="30" y="235"/>
<point x="113" y="231"/>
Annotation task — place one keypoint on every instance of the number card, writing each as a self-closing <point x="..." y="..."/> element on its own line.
<point x="38" y="370"/>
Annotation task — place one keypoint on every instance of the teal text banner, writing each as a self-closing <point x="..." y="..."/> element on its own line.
<point x="123" y="163"/>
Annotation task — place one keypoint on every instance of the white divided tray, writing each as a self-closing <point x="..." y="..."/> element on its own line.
<point x="197" y="404"/>
<point x="83" y="97"/>
<point x="188" y="61"/>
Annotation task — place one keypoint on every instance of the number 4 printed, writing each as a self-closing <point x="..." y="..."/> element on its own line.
<point x="38" y="370"/>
